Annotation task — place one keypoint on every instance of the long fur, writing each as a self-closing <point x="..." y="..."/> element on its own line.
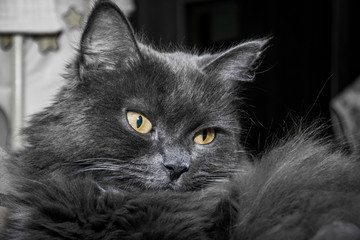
<point x="85" y="173"/>
<point x="81" y="209"/>
<point x="301" y="189"/>
<point x="297" y="188"/>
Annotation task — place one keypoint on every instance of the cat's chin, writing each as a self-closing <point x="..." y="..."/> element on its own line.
<point x="167" y="186"/>
<point x="174" y="186"/>
<point x="177" y="185"/>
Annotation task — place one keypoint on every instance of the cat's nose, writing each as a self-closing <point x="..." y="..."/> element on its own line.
<point x="176" y="169"/>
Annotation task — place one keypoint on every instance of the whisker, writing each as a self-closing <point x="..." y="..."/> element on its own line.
<point x="99" y="158"/>
<point x="112" y="168"/>
<point x="109" y="168"/>
<point x="240" y="151"/>
<point x="96" y="160"/>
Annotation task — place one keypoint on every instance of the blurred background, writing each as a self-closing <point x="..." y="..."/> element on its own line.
<point x="307" y="73"/>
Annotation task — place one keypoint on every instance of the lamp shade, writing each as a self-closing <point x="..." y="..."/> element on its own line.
<point x="29" y="17"/>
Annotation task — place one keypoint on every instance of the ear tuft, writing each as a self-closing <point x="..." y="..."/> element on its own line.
<point x="108" y="39"/>
<point x="238" y="62"/>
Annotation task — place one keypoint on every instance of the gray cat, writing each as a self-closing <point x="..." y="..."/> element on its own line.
<point x="144" y="144"/>
<point x="135" y="116"/>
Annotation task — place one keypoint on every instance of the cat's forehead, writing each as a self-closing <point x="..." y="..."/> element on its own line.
<point x="176" y="61"/>
<point x="173" y="86"/>
<point x="179" y="75"/>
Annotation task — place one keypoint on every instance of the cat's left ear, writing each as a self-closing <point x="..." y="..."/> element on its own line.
<point x="108" y="40"/>
<point x="236" y="63"/>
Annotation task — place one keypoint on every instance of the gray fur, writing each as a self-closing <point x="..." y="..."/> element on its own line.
<point x="86" y="130"/>
<point x="298" y="188"/>
<point x="4" y="184"/>
<point x="4" y="176"/>
<point x="86" y="174"/>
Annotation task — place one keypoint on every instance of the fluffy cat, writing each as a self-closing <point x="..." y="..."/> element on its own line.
<point x="144" y="144"/>
<point x="90" y="127"/>
<point x="302" y="189"/>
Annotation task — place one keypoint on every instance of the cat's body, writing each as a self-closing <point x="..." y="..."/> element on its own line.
<point x="299" y="187"/>
<point x="302" y="189"/>
<point x="81" y="209"/>
<point x="91" y="170"/>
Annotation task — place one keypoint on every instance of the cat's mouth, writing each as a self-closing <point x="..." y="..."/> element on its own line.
<point x="174" y="186"/>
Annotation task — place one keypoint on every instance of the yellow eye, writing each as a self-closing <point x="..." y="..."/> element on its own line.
<point x="139" y="122"/>
<point x="205" y="136"/>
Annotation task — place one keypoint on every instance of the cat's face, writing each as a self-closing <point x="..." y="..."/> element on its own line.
<point x="135" y="116"/>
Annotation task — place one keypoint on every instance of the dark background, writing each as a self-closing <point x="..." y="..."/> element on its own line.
<point x="313" y="55"/>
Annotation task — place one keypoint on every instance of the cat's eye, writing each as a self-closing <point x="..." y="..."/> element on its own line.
<point x="139" y="122"/>
<point x="205" y="136"/>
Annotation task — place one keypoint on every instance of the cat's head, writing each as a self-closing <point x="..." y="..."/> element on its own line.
<point x="138" y="116"/>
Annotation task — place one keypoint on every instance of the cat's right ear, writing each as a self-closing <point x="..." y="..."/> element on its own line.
<point x="108" y="40"/>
